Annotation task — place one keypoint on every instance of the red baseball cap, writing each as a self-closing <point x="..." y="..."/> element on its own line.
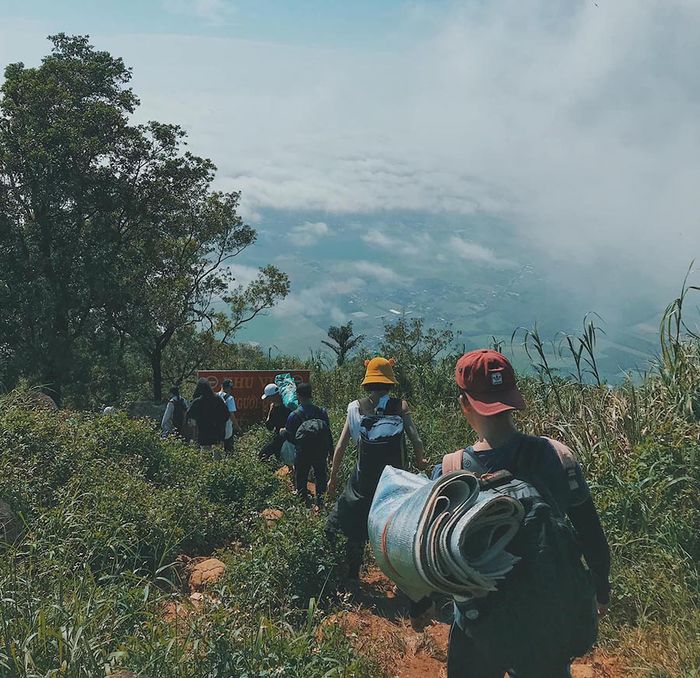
<point x="488" y="381"/>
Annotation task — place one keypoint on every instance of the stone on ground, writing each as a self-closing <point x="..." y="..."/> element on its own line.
<point x="206" y="573"/>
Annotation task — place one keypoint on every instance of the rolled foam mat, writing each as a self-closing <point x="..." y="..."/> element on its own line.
<point x="443" y="535"/>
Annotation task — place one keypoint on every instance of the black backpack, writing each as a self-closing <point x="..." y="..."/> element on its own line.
<point x="544" y="613"/>
<point x="179" y="412"/>
<point x="381" y="443"/>
<point x="313" y="436"/>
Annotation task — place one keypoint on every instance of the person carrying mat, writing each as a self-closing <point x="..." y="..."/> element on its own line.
<point x="544" y="613"/>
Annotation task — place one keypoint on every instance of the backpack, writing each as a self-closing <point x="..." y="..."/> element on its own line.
<point x="179" y="411"/>
<point x="544" y="613"/>
<point x="381" y="442"/>
<point x="313" y="435"/>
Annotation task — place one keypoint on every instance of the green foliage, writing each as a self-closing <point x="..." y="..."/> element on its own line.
<point x="285" y="566"/>
<point x="342" y="341"/>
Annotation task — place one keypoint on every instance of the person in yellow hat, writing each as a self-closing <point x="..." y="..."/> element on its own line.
<point x="378" y="424"/>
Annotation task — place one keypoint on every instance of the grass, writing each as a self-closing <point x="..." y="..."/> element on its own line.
<point x="108" y="506"/>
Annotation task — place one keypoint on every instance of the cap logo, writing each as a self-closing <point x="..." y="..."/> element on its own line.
<point x="496" y="379"/>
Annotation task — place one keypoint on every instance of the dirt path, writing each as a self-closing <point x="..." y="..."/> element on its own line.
<point x="378" y="622"/>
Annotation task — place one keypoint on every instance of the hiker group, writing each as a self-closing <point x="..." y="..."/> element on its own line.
<point x="503" y="526"/>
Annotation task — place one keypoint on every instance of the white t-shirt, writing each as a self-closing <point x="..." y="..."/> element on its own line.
<point x="231" y="404"/>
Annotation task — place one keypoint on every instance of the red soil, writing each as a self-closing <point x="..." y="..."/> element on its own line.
<point x="379" y="623"/>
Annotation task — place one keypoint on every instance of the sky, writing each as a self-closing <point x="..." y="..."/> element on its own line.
<point x="389" y="150"/>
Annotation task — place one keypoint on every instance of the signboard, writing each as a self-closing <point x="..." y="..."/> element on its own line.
<point x="248" y="388"/>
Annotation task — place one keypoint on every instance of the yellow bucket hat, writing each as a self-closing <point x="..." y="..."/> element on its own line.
<point x="379" y="371"/>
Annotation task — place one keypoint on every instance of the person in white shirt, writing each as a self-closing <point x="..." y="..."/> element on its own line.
<point x="226" y="394"/>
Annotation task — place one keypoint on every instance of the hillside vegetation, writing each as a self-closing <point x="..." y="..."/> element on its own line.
<point x="109" y="507"/>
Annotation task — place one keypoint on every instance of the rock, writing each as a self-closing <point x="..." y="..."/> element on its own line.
<point x="206" y="573"/>
<point x="271" y="516"/>
<point x="582" y="671"/>
<point x="10" y="525"/>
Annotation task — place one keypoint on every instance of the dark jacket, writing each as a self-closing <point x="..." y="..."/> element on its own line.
<point x="211" y="415"/>
<point x="278" y="418"/>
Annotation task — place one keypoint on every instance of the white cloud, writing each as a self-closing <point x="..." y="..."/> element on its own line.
<point x="574" y="123"/>
<point x="476" y="253"/>
<point x="319" y="300"/>
<point x="382" y="274"/>
<point x="309" y="233"/>
<point x="243" y="275"/>
<point x="408" y="245"/>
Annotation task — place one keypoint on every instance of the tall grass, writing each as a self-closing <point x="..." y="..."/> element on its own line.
<point x="109" y="507"/>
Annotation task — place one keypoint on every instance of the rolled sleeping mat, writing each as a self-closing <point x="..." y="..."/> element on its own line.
<point x="443" y="536"/>
<point x="288" y="390"/>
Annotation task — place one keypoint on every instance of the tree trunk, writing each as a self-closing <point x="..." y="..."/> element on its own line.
<point x="157" y="373"/>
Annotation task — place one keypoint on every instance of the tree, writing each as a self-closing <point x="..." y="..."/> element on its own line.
<point x="108" y="229"/>
<point x="344" y="341"/>
<point x="416" y="349"/>
<point x="59" y="124"/>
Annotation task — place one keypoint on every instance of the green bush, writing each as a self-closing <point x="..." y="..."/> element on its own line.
<point x="284" y="566"/>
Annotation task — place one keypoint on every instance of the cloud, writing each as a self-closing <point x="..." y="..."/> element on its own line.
<point x="320" y="300"/>
<point x="309" y="233"/>
<point x="243" y="275"/>
<point x="409" y="245"/>
<point x="573" y="123"/>
<point x="476" y="253"/>
<point x="382" y="274"/>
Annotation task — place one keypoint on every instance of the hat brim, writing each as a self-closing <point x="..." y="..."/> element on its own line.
<point x="378" y="380"/>
<point x="489" y="404"/>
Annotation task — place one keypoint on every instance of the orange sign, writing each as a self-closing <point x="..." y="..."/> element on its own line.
<point x="248" y="386"/>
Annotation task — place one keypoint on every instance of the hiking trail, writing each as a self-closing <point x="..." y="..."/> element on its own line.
<point x="378" y="621"/>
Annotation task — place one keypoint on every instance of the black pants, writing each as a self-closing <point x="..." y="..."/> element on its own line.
<point x="306" y="460"/>
<point x="228" y="445"/>
<point x="272" y="448"/>
<point x="464" y="660"/>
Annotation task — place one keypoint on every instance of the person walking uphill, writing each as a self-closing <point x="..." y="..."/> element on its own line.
<point x="309" y="429"/>
<point x="211" y="414"/>
<point x="377" y="424"/>
<point x="544" y="612"/>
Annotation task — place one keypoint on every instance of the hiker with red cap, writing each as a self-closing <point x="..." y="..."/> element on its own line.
<point x="544" y="613"/>
<point x="377" y="425"/>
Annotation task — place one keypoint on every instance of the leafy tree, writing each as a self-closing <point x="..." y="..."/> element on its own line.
<point x="343" y="341"/>
<point x="59" y="125"/>
<point x="108" y="229"/>
<point x="416" y="349"/>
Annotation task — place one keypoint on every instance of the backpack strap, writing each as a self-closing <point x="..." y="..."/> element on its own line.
<point x="365" y="406"/>
<point x="393" y="406"/>
<point x="452" y="462"/>
<point x="524" y="461"/>
<point x="472" y="463"/>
